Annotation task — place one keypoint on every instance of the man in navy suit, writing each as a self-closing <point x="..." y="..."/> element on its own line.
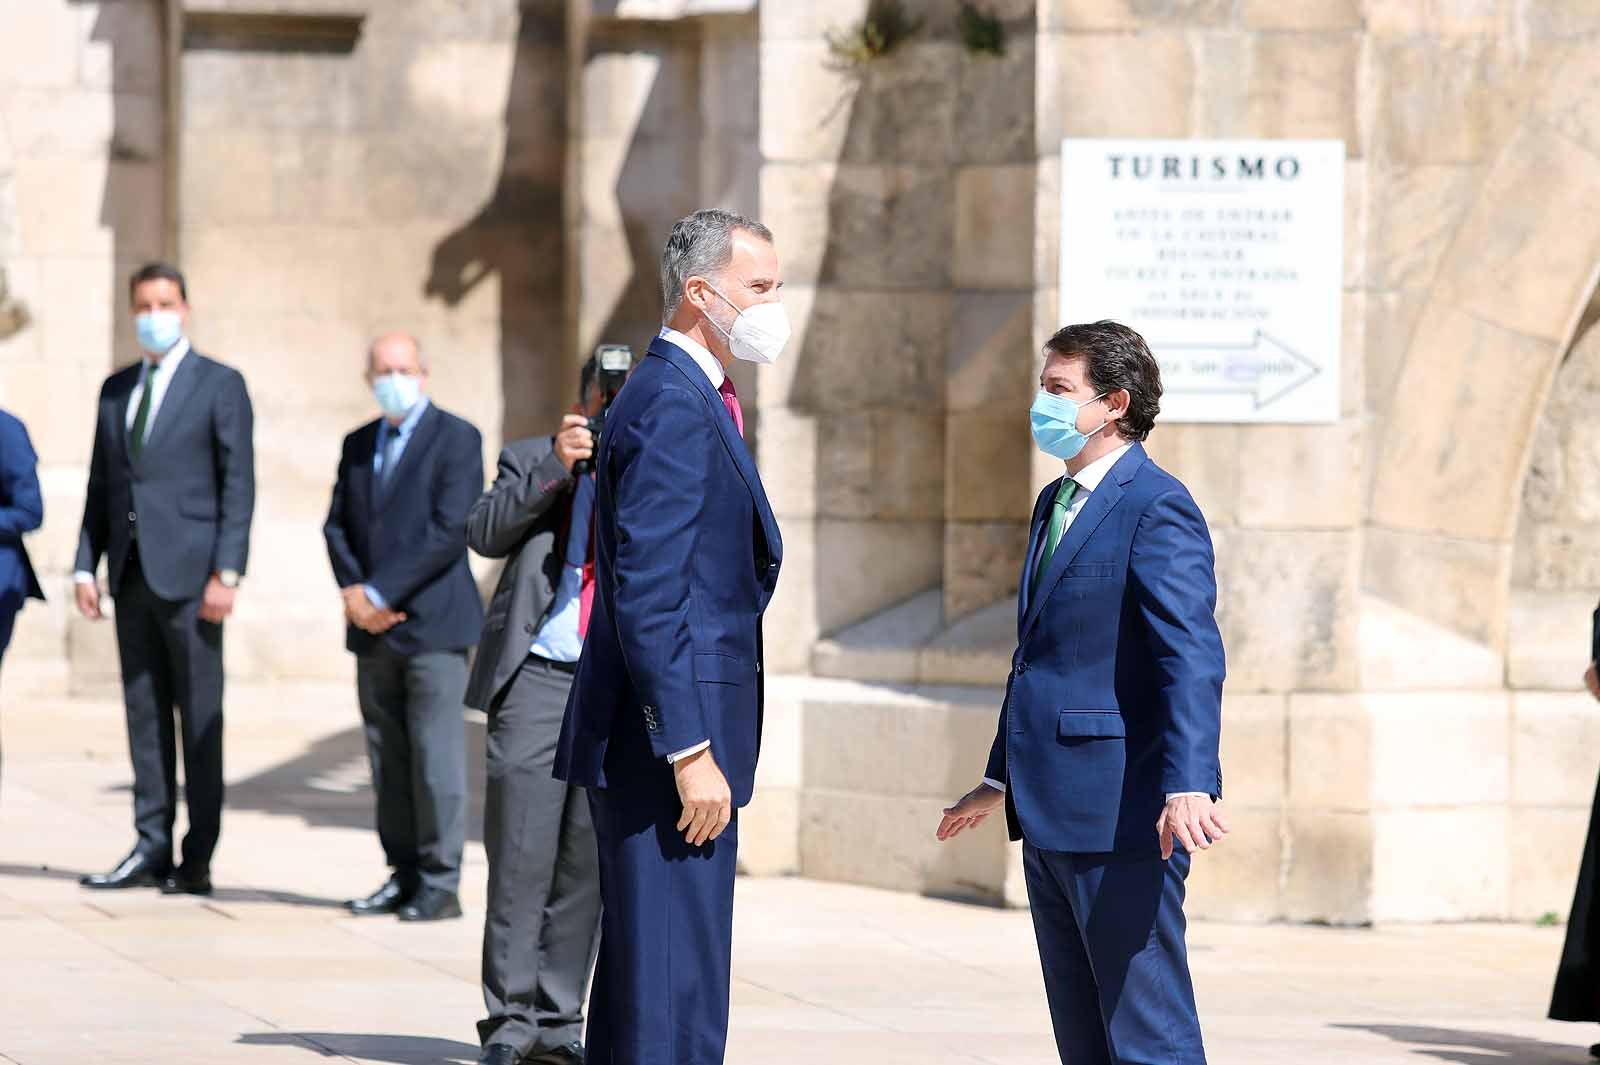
<point x="1107" y="746"/>
<point x="397" y="538"/>
<point x="21" y="511"/>
<point x="664" y="720"/>
<point x="172" y="490"/>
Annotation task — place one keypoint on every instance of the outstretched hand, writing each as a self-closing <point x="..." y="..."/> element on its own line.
<point x="971" y="811"/>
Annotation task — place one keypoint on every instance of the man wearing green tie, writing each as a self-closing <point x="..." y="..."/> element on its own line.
<point x="171" y="495"/>
<point x="1105" y="758"/>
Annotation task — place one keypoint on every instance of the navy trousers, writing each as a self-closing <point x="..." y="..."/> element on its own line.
<point x="666" y="932"/>
<point x="1116" y="970"/>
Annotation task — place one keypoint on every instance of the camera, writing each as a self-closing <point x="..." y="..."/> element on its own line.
<point x="611" y="365"/>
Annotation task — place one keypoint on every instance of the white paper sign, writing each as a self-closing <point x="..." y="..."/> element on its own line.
<point x="1227" y="255"/>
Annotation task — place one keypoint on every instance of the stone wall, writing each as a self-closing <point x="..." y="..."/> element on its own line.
<point x="82" y="174"/>
<point x="328" y="185"/>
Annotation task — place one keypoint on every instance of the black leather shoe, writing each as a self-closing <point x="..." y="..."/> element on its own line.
<point x="499" y="1054"/>
<point x="184" y="881"/>
<point x="136" y="870"/>
<point x="386" y="899"/>
<point x="431" y="904"/>
<point x="571" y="1054"/>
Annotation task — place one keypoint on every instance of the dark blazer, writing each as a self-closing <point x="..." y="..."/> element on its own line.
<point x="522" y="517"/>
<point x="686" y="559"/>
<point x="408" y="537"/>
<point x="1101" y="721"/>
<point x="191" y="493"/>
<point x="21" y="511"/>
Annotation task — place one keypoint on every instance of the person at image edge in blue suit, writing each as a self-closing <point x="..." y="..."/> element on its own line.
<point x="21" y="511"/>
<point x="1106" y="754"/>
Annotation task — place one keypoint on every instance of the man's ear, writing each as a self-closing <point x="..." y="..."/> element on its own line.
<point x="1123" y="400"/>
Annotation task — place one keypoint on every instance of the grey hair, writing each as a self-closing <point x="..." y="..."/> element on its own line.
<point x="700" y="245"/>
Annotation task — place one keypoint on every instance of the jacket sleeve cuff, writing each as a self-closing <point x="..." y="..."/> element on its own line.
<point x="678" y="756"/>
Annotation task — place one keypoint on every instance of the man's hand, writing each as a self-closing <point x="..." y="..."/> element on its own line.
<point x="1591" y="680"/>
<point x="974" y="806"/>
<point x="218" y="601"/>
<point x="707" y="800"/>
<point x="1193" y="820"/>
<point x="89" y="600"/>
<point x="359" y="611"/>
<point x="574" y="442"/>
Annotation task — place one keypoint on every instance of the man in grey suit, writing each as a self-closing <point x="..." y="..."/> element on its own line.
<point x="171" y="493"/>
<point x="540" y="933"/>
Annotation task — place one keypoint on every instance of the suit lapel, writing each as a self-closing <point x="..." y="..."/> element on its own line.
<point x="1101" y="502"/>
<point x="421" y="439"/>
<point x="175" y="403"/>
<point x="730" y="438"/>
<point x="1041" y="507"/>
<point x="119" y="419"/>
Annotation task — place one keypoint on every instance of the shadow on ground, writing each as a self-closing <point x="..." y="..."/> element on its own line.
<point x="1477" y="1048"/>
<point x="393" y="1049"/>
<point x="329" y="785"/>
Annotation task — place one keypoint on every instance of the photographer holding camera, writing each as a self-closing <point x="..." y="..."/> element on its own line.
<point x="544" y="892"/>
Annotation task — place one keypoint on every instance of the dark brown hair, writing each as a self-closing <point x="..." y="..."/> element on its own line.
<point x="1115" y="359"/>
<point x="157" y="272"/>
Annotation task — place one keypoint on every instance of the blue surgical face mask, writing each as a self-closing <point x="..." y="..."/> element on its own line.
<point x="397" y="393"/>
<point x="1055" y="424"/>
<point x="158" y="330"/>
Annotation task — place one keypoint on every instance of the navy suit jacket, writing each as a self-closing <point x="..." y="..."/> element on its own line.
<point x="1115" y="693"/>
<point x="408" y="536"/>
<point x="21" y="511"/>
<point x="192" y="490"/>
<point x="686" y="559"/>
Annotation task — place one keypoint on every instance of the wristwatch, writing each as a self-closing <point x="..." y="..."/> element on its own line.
<point x="229" y="578"/>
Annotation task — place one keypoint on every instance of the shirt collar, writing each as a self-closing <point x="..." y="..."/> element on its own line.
<point x="696" y="351"/>
<point x="1090" y="476"/>
<point x="409" y="423"/>
<point x="171" y="359"/>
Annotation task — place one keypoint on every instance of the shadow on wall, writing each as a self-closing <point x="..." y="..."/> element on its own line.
<point x="1474" y="1048"/>
<point x="393" y="1049"/>
<point x="329" y="785"/>
<point x="134" y="203"/>
<point x="518" y="234"/>
<point x="647" y="79"/>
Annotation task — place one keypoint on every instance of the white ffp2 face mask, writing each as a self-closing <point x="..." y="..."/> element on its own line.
<point x="759" y="333"/>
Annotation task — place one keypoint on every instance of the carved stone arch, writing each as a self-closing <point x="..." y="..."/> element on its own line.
<point x="1503" y="309"/>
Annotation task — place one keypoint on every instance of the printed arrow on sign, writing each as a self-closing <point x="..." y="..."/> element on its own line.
<point x="1264" y="368"/>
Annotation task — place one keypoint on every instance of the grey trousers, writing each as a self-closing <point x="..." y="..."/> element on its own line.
<point x="543" y="924"/>
<point x="417" y="747"/>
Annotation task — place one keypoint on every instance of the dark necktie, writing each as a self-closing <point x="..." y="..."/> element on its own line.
<point x="141" y="420"/>
<point x="730" y="399"/>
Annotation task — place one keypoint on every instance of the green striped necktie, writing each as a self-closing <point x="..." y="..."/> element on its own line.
<point x="1058" y="522"/>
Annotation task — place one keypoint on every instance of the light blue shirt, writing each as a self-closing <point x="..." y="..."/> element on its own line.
<point x="559" y="639"/>
<point x="397" y="436"/>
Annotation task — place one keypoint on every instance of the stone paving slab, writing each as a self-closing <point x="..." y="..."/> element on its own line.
<point x="271" y="970"/>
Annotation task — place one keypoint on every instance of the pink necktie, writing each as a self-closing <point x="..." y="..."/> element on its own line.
<point x="731" y="399"/>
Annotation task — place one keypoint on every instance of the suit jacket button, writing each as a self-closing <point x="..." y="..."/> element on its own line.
<point x="132" y="516"/>
<point x="529" y="628"/>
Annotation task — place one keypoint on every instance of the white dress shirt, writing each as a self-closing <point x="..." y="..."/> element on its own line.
<point x="716" y="374"/>
<point x="169" y="369"/>
<point x="1088" y="479"/>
